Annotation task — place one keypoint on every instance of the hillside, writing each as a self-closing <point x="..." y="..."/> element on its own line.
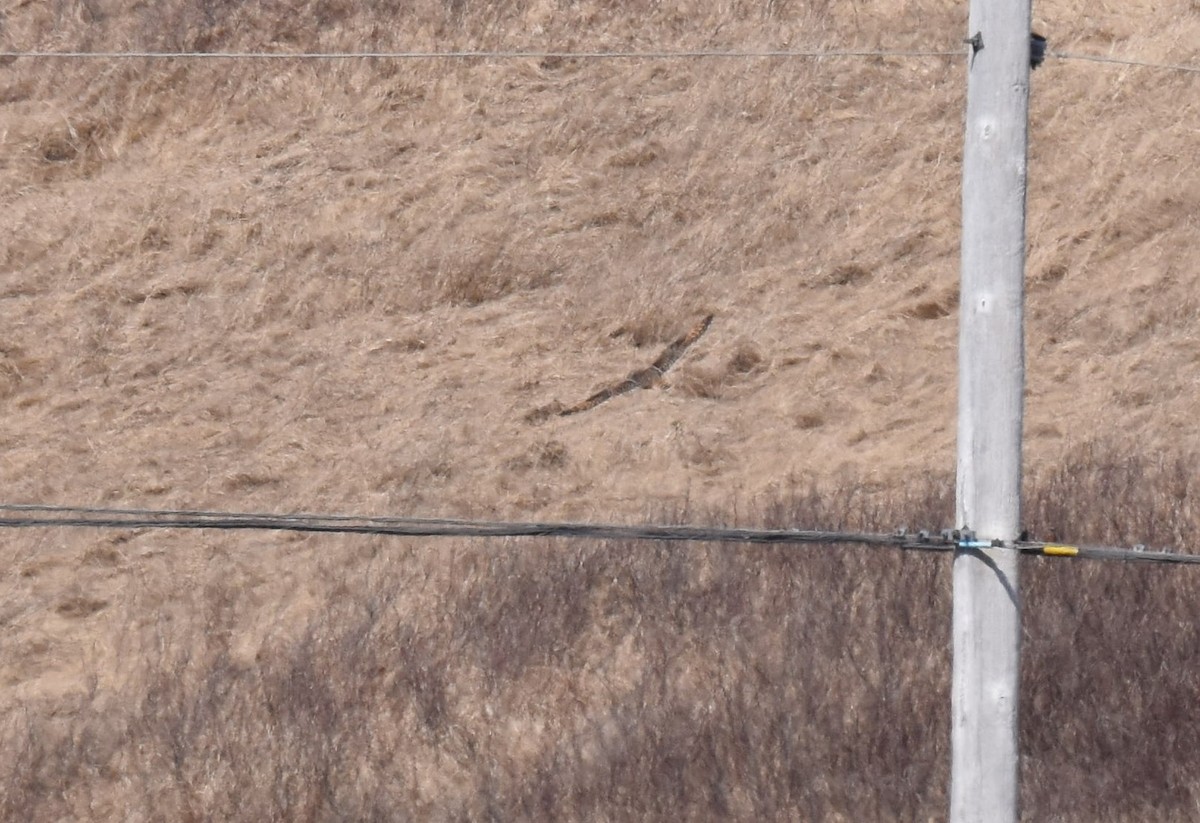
<point x="365" y="285"/>
<point x="344" y="285"/>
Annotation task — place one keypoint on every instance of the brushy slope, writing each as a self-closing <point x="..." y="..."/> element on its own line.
<point x="346" y="285"/>
<point x="547" y="680"/>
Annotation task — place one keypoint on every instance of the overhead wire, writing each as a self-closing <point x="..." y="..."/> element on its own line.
<point x="685" y="54"/>
<point x="1137" y="554"/>
<point x="540" y="54"/>
<point x="24" y="515"/>
<point x="1124" y="61"/>
<point x="34" y="515"/>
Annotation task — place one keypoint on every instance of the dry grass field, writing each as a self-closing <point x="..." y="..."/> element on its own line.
<point x="364" y="285"/>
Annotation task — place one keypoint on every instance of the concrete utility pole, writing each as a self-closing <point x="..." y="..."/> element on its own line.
<point x="987" y="613"/>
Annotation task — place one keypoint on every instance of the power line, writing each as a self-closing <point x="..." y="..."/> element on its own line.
<point x="695" y="54"/>
<point x="25" y="516"/>
<point x="1123" y="61"/>
<point x="53" y="516"/>
<point x="1136" y="554"/>
<point x="208" y="513"/>
<point x="687" y="54"/>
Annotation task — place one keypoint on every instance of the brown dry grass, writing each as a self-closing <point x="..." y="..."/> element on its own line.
<point x="635" y="681"/>
<point x="283" y="265"/>
<point x="344" y="287"/>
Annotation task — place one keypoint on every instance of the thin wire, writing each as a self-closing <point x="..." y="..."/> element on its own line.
<point x="481" y="55"/>
<point x="695" y="54"/>
<point x="1122" y="61"/>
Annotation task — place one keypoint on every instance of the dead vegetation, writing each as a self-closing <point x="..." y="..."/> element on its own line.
<point x="187" y="230"/>
<point x="342" y="286"/>
<point x="584" y="680"/>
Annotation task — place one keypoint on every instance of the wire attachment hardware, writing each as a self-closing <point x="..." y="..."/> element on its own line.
<point x="1037" y="50"/>
<point x="965" y="539"/>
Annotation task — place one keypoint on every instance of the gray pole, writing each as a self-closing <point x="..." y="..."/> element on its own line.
<point x="987" y="614"/>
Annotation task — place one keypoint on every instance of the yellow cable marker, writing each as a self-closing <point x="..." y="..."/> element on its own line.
<point x="1061" y="551"/>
